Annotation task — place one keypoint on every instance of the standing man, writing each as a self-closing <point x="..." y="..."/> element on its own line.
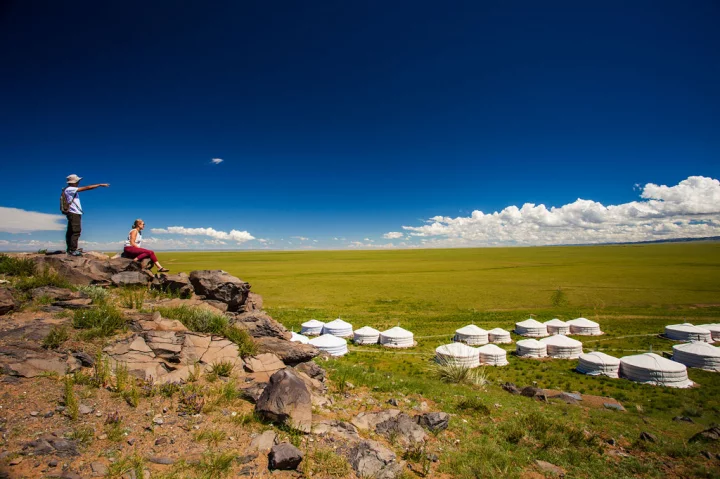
<point x="70" y="205"/>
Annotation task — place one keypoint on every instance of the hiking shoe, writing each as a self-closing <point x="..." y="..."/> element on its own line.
<point x="75" y="253"/>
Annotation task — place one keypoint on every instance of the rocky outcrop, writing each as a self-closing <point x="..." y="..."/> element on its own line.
<point x="131" y="278"/>
<point x="371" y="459"/>
<point x="254" y="302"/>
<point x="178" y="284"/>
<point x="56" y="294"/>
<point x="220" y="286"/>
<point x="403" y="429"/>
<point x="87" y="269"/>
<point x="369" y="420"/>
<point x="289" y="352"/>
<point x="7" y="302"/>
<point x="259" y="325"/>
<point x="287" y="400"/>
<point x="434" y="421"/>
<point x="28" y="360"/>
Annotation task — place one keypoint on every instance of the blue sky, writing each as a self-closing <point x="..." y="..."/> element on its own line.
<point x="353" y="120"/>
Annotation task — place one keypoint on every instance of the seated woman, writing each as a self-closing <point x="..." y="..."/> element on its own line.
<point x="133" y="249"/>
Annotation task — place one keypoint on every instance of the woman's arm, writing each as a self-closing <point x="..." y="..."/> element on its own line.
<point x="133" y="237"/>
<point x="92" y="187"/>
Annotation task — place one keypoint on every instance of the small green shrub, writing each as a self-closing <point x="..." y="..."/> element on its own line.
<point x="95" y="293"/>
<point x="121" y="377"/>
<point x="132" y="395"/>
<point x="325" y="463"/>
<point x="196" y="319"/>
<point x="113" y="427"/>
<point x="15" y="266"/>
<point x="212" y="436"/>
<point x="128" y="466"/>
<point x="102" y="322"/>
<point x="246" y="344"/>
<point x="71" y="403"/>
<point x="56" y="336"/>
<point x="102" y="372"/>
<point x="83" y="434"/>
<point x="222" y="368"/>
<point x="47" y="277"/>
<point x="132" y="297"/>
<point x="450" y="372"/>
<point x="558" y="298"/>
<point x="474" y="405"/>
<point x="214" y="465"/>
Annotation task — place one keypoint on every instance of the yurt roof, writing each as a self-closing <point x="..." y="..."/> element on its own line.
<point x="499" y="331"/>
<point x="338" y="323"/>
<point x="687" y="327"/>
<point x="700" y="348"/>
<point x="653" y="361"/>
<point x="582" y="322"/>
<point x="555" y="322"/>
<point x="530" y="323"/>
<point x="456" y="349"/>
<point x="560" y="340"/>
<point x="530" y="343"/>
<point x="327" y="340"/>
<point x="599" y="357"/>
<point x="367" y="330"/>
<point x="710" y="327"/>
<point x="313" y="323"/>
<point x="491" y="349"/>
<point x="471" y="329"/>
<point x="397" y="332"/>
<point x="298" y="337"/>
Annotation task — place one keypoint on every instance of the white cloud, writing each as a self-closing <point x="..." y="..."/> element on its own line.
<point x="690" y="209"/>
<point x="234" y="235"/>
<point x="393" y="235"/>
<point x="14" y="220"/>
<point x="301" y="238"/>
<point x="216" y="161"/>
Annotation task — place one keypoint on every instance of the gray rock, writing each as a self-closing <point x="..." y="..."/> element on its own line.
<point x="549" y="468"/>
<point x="263" y="442"/>
<point x="336" y="428"/>
<point x="83" y="409"/>
<point x="312" y="369"/>
<point x="289" y="352"/>
<point x="254" y="302"/>
<point x="683" y="419"/>
<point x="613" y="405"/>
<point x="161" y="460"/>
<point x="286" y="399"/>
<point x="511" y="388"/>
<point x="260" y="325"/>
<point x="254" y="391"/>
<point x="403" y="429"/>
<point x="85" y="359"/>
<point x="368" y="420"/>
<point x="648" y="437"/>
<point x="7" y="302"/>
<point x="54" y="293"/>
<point x="434" y="421"/>
<point x="284" y="456"/>
<point x="220" y="286"/>
<point x="533" y="392"/>
<point x="79" y="303"/>
<point x="174" y="283"/>
<point x="708" y="435"/>
<point x="371" y="459"/>
<point x="98" y="469"/>
<point x="131" y="278"/>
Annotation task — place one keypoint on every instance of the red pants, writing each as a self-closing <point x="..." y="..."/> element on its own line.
<point x="139" y="253"/>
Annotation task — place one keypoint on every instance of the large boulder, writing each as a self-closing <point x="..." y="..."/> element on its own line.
<point x="131" y="278"/>
<point x="284" y="456"/>
<point x="259" y="324"/>
<point x="286" y="399"/>
<point x="220" y="286"/>
<point x="174" y="283"/>
<point x="371" y="459"/>
<point x="289" y="352"/>
<point x="78" y="270"/>
<point x="434" y="421"/>
<point x="7" y="303"/>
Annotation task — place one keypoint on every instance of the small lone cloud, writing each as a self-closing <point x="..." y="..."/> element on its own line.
<point x="216" y="161"/>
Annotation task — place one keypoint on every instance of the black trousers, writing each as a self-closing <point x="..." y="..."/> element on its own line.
<point x="72" y="235"/>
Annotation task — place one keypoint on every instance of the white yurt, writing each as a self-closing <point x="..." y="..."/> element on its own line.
<point x="531" y="328"/>
<point x="299" y="338"/>
<point x="561" y="347"/>
<point x="697" y="354"/>
<point x="457" y="354"/>
<point x="366" y="335"/>
<point x="555" y="326"/>
<point x="492" y="355"/>
<point x="714" y="330"/>
<point x="688" y="332"/>
<point x="332" y="345"/>
<point x="531" y="348"/>
<point x="471" y="334"/>
<point x="338" y="328"/>
<point x="649" y="368"/>
<point x="499" y="336"/>
<point x="584" y="327"/>
<point x="312" y="328"/>
<point x="397" y="337"/>
<point x="598" y="364"/>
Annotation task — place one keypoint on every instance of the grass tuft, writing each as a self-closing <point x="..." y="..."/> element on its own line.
<point x="71" y="402"/>
<point x="16" y="266"/>
<point x="102" y="322"/>
<point x="56" y="336"/>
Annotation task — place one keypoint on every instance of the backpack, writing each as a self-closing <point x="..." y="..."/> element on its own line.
<point x="64" y="205"/>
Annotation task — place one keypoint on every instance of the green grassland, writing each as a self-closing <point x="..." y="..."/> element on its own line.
<point x="633" y="291"/>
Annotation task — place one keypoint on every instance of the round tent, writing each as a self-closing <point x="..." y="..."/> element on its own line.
<point x="499" y="336"/>
<point x="688" y="332"/>
<point x="714" y="330"/>
<point x="598" y="364"/>
<point x="299" y="338"/>
<point x="531" y="348"/>
<point x="471" y="334"/>
<point x="366" y="335"/>
<point x="457" y="354"/>
<point x="312" y="328"/>
<point x="330" y="344"/>
<point x="397" y="337"/>
<point x="649" y="368"/>
<point x="338" y="328"/>
<point x="555" y="326"/>
<point x="697" y="354"/>
<point x="562" y="347"/>
<point x="492" y="355"/>
<point x="584" y="327"/>
<point x="531" y="328"/>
